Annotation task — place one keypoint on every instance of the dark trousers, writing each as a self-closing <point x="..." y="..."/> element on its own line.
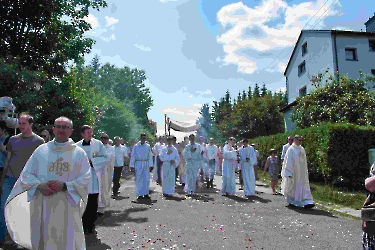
<point x="176" y="174"/>
<point x="241" y="179"/>
<point x="89" y="216"/>
<point x="116" y="179"/>
<point x="159" y="163"/>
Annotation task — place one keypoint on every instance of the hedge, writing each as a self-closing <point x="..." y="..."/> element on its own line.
<point x="337" y="154"/>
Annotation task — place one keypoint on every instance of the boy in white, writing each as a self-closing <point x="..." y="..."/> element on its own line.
<point x="170" y="158"/>
<point x="212" y="157"/>
<point x="99" y="161"/>
<point x="44" y="210"/>
<point x="141" y="161"/>
<point x="192" y="155"/>
<point x="248" y="158"/>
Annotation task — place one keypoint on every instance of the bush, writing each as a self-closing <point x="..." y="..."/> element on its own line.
<point x="336" y="153"/>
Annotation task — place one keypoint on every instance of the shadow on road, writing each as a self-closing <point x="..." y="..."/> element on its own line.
<point x="175" y="198"/>
<point x="302" y="210"/>
<point x="113" y="218"/>
<point x="93" y="243"/>
<point x="250" y="199"/>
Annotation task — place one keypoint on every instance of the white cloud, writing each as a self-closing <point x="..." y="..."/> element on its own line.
<point x="111" y="20"/>
<point x="207" y="92"/>
<point x="173" y="111"/>
<point x="141" y="47"/>
<point x="190" y="96"/>
<point x="108" y="39"/>
<point x="282" y="66"/>
<point x="92" y="20"/>
<point x="247" y="28"/>
<point x="342" y="28"/>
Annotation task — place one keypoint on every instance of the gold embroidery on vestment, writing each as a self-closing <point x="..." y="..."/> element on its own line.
<point x="59" y="167"/>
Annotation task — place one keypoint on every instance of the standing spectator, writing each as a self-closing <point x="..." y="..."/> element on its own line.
<point x="286" y="146"/>
<point x="3" y="151"/>
<point x="21" y="147"/>
<point x="272" y="165"/>
<point x="121" y="153"/>
<point x="45" y="135"/>
<point x="45" y="207"/>
<point x="295" y="185"/>
<point x="256" y="163"/>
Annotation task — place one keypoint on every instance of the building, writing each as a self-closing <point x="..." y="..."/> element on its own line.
<point x="345" y="52"/>
<point x="370" y="24"/>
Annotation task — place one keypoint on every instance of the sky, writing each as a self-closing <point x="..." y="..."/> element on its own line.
<point x="193" y="51"/>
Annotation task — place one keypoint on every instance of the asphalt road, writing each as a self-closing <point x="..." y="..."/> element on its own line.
<point x="211" y="221"/>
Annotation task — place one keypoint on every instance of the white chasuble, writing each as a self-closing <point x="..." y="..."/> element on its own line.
<point x="40" y="222"/>
<point x="107" y="180"/>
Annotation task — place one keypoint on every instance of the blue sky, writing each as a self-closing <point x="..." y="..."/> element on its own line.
<point x="194" y="50"/>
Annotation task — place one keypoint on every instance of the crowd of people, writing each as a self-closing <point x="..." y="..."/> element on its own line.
<point x="52" y="188"/>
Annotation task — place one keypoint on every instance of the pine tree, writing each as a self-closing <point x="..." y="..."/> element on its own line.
<point x="264" y="90"/>
<point x="256" y="90"/>
<point x="243" y="95"/>
<point x="95" y="64"/>
<point x="249" y="93"/>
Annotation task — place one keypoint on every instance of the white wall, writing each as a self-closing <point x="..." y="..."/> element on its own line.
<point x="366" y="58"/>
<point x="318" y="58"/>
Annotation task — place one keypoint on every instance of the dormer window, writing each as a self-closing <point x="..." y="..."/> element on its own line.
<point x="302" y="92"/>
<point x="304" y="48"/>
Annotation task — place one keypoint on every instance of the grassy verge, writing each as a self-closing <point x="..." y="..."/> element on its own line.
<point x="327" y="195"/>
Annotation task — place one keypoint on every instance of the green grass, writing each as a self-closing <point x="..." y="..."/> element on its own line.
<point x="327" y="195"/>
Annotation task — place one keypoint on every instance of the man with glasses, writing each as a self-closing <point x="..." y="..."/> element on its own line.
<point x="170" y="158"/>
<point x="98" y="160"/>
<point x="295" y="185"/>
<point x="193" y="158"/>
<point x="45" y="207"/>
<point x="21" y="147"/>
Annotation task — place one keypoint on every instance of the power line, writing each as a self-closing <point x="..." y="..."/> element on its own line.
<point x="318" y="21"/>
<point x="295" y="37"/>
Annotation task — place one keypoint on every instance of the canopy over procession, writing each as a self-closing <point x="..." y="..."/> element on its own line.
<point x="65" y="186"/>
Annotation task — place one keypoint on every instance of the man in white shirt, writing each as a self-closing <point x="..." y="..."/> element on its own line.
<point x="170" y="158"/>
<point x="212" y="157"/>
<point x="286" y="146"/>
<point x="121" y="153"/>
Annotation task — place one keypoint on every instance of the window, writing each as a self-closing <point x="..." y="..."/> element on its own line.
<point x="373" y="72"/>
<point x="301" y="68"/>
<point x="304" y="48"/>
<point x="351" y="54"/>
<point x="372" y="45"/>
<point x="302" y="92"/>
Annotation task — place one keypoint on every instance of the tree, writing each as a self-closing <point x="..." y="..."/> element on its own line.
<point x="256" y="90"/>
<point x="34" y="35"/>
<point x="243" y="95"/>
<point x="95" y="63"/>
<point x="249" y="93"/>
<point x="264" y="90"/>
<point x="342" y="101"/>
<point x="205" y="122"/>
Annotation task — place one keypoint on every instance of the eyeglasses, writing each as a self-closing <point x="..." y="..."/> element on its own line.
<point x="104" y="138"/>
<point x="62" y="127"/>
<point x="43" y="136"/>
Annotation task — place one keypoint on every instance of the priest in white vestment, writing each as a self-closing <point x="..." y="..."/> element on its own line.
<point x="295" y="184"/>
<point x="170" y="158"/>
<point x="98" y="161"/>
<point x="141" y="161"/>
<point x="182" y="166"/>
<point x="212" y="157"/>
<point x="247" y="161"/>
<point x="157" y="163"/>
<point x="193" y="158"/>
<point x="203" y="164"/>
<point x="45" y="208"/>
<point x="286" y="147"/>
<point x="229" y="165"/>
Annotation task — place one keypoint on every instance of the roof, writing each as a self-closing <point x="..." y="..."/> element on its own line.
<point x="287" y="107"/>
<point x="337" y="32"/>
<point x="370" y="19"/>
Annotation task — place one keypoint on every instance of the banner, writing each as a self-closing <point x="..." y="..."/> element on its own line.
<point x="183" y="126"/>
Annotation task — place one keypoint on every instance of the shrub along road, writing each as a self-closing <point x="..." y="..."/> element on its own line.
<point x="211" y="221"/>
